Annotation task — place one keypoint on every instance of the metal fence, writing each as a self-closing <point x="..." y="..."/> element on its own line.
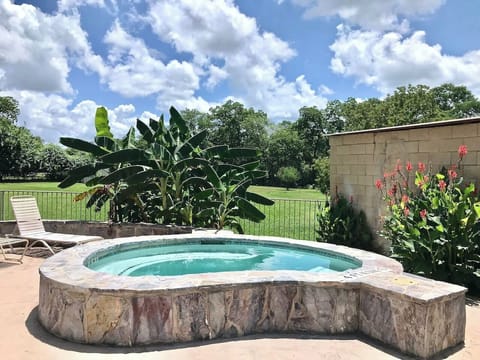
<point x="287" y="218"/>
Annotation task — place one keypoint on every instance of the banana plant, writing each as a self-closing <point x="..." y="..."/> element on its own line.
<point x="163" y="176"/>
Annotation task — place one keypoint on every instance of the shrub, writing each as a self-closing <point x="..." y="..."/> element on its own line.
<point x="340" y="223"/>
<point x="434" y="227"/>
<point x="322" y="171"/>
<point x="288" y="176"/>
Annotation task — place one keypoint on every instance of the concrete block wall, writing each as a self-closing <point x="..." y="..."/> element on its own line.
<point x="358" y="158"/>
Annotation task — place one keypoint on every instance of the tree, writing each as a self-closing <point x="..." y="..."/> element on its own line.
<point x="322" y="172"/>
<point x="196" y="120"/>
<point x="9" y="109"/>
<point x="285" y="148"/>
<point x="411" y="105"/>
<point x="455" y="101"/>
<point x="363" y="115"/>
<point x="19" y="150"/>
<point x="312" y="128"/>
<point x="334" y="117"/>
<point x="288" y="176"/>
<point x="55" y="162"/>
<point x="237" y="126"/>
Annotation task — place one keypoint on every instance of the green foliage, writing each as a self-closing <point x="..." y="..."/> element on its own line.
<point x="312" y="128"/>
<point x="409" y="105"/>
<point x="54" y="162"/>
<point x="322" y="172"/>
<point x="166" y="177"/>
<point x="19" y="150"/>
<point x="434" y="228"/>
<point x="237" y="126"/>
<point x="284" y="149"/>
<point x="288" y="176"/>
<point x="340" y="223"/>
<point x="9" y="109"/>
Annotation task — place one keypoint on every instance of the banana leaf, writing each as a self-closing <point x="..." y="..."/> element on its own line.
<point x="83" y="145"/>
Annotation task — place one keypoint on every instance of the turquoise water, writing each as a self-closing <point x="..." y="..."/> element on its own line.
<point x="195" y="258"/>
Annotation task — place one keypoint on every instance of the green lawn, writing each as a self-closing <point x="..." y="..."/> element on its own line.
<point x="54" y="203"/>
<point x="293" y="214"/>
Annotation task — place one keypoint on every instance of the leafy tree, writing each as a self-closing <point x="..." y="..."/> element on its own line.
<point x="288" y="176"/>
<point x="284" y="149"/>
<point x="55" y="162"/>
<point x="334" y="117"/>
<point x="363" y="115"/>
<point x="9" y="109"/>
<point x="197" y="120"/>
<point x="312" y="128"/>
<point x="237" y="126"/>
<point x="19" y="150"/>
<point x="322" y="172"/>
<point x="410" y="105"/>
<point x="455" y="101"/>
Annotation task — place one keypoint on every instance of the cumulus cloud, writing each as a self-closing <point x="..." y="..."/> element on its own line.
<point x="36" y="49"/>
<point x="52" y="116"/>
<point x="371" y="14"/>
<point x="134" y="70"/>
<point x="64" y="5"/>
<point x="215" y="30"/>
<point x="388" y="60"/>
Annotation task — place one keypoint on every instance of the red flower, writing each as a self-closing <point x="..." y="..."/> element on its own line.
<point x="452" y="174"/>
<point x="423" y="214"/>
<point x="442" y="185"/>
<point x="405" y="199"/>
<point x="462" y="151"/>
<point x="406" y="211"/>
<point x="421" y="167"/>
<point x="378" y="184"/>
<point x="409" y="166"/>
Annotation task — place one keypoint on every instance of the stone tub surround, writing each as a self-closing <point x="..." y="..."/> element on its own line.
<point x="416" y="315"/>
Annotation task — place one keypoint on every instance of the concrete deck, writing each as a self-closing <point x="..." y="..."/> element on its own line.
<point x="22" y="337"/>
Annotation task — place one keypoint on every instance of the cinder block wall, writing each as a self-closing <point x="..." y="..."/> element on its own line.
<point x="358" y="158"/>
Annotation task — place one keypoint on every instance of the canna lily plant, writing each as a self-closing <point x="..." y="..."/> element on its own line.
<point x="433" y="226"/>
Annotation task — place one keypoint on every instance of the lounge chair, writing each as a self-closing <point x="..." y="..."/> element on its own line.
<point x="30" y="226"/>
<point x="9" y="243"/>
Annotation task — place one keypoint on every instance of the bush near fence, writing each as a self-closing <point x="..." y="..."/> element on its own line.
<point x="287" y="218"/>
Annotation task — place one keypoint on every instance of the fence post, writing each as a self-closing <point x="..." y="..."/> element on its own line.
<point x="2" y="205"/>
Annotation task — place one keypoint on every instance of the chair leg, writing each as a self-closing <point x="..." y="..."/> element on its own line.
<point x="11" y="249"/>
<point x="44" y="244"/>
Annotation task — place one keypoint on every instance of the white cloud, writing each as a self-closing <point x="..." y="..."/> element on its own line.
<point x="64" y="5"/>
<point x="52" y="116"/>
<point x="371" y="14"/>
<point x="36" y="49"/>
<point x="134" y="70"/>
<point x="325" y="90"/>
<point x="216" y="31"/>
<point x="388" y="60"/>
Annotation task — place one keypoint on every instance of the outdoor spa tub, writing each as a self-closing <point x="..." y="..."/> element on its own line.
<point x="152" y="290"/>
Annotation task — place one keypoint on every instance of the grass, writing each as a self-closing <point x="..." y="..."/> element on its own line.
<point x="293" y="214"/>
<point x="54" y="203"/>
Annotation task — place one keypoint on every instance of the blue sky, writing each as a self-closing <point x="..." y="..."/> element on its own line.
<point x="61" y="59"/>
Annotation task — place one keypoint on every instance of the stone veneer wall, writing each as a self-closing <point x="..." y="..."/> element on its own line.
<point x="103" y="229"/>
<point x="358" y="158"/>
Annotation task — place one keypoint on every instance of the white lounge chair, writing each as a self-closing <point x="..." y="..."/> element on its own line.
<point x="9" y="243"/>
<point x="30" y="226"/>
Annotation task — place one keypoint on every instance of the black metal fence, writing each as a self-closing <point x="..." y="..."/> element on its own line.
<point x="287" y="218"/>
